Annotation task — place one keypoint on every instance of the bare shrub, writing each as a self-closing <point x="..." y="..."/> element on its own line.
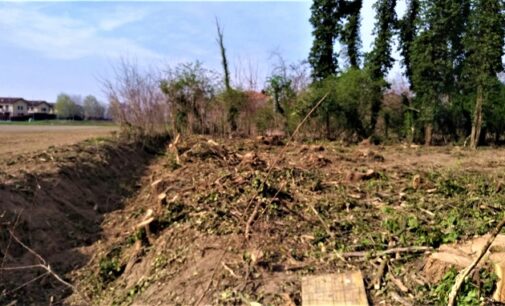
<point x="136" y="100"/>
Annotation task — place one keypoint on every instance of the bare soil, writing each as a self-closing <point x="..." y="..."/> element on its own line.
<point x="307" y="213"/>
<point x="17" y="139"/>
<point x="54" y="202"/>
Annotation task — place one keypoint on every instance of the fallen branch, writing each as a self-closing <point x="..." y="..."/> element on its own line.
<point x="377" y="280"/>
<point x="412" y="249"/>
<point x="229" y="270"/>
<point x="463" y="274"/>
<point x="326" y="227"/>
<point x="256" y="208"/>
<point x="398" y="283"/>
<point x="399" y="299"/>
<point x="42" y="265"/>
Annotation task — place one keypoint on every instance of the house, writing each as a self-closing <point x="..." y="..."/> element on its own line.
<point x="13" y="107"/>
<point x="40" y="107"/>
<point x="19" y="108"/>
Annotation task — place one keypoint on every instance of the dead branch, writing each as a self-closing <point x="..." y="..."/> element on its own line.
<point x="272" y="166"/>
<point x="398" y="283"/>
<point x="229" y="270"/>
<point x="395" y="296"/>
<point x="256" y="207"/>
<point x="377" y="280"/>
<point x="42" y="265"/>
<point x="326" y="227"/>
<point x="463" y="274"/>
<point x="412" y="249"/>
<point x="6" y="252"/>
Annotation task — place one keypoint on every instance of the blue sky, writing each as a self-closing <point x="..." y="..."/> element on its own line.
<point x="48" y="48"/>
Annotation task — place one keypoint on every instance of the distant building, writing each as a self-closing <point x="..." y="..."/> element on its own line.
<point x="19" y="108"/>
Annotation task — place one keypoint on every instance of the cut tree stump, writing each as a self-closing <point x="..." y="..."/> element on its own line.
<point x="461" y="255"/>
<point x="344" y="289"/>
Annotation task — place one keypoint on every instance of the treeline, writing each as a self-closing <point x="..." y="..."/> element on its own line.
<point x="451" y="53"/>
<point x="74" y="107"/>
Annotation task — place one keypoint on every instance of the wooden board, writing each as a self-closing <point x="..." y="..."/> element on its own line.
<point x="344" y="289"/>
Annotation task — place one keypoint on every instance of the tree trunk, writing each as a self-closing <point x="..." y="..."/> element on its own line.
<point x="328" y="133"/>
<point x="428" y="132"/>
<point x="477" y="119"/>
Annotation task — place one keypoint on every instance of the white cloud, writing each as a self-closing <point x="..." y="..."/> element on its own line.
<point x="120" y="17"/>
<point x="62" y="37"/>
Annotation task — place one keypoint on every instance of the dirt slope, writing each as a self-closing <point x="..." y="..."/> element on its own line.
<point x="54" y="202"/>
<point x="322" y="203"/>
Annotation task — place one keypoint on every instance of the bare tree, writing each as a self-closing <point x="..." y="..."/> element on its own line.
<point x="224" y="59"/>
<point x="246" y="75"/>
<point x="136" y="100"/>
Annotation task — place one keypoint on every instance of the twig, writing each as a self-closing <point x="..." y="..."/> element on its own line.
<point x="398" y="283"/>
<point x="399" y="299"/>
<point x="43" y="265"/>
<point x="229" y="270"/>
<point x="279" y="156"/>
<point x="256" y="208"/>
<point x="326" y="227"/>
<point x="377" y="280"/>
<point x="10" y="240"/>
<point x="412" y="249"/>
<point x="29" y="282"/>
<point x="463" y="274"/>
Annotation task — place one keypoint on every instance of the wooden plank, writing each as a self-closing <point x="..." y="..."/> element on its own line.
<point x="343" y="289"/>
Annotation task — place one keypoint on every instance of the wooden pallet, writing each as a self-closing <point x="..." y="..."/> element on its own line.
<point x="344" y="289"/>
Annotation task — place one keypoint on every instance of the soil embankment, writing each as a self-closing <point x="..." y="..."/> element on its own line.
<point x="128" y="230"/>
<point x="54" y="201"/>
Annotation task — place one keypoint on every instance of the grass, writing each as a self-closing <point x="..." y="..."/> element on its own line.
<point x="61" y="123"/>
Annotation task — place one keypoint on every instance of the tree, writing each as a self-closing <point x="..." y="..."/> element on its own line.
<point x="349" y="34"/>
<point x="380" y="60"/>
<point x="484" y="46"/>
<point x="324" y="21"/>
<point x="436" y="57"/>
<point x="189" y="88"/>
<point x="279" y="87"/>
<point x="136" y="101"/>
<point x="347" y="106"/>
<point x="66" y="107"/>
<point x="407" y="32"/>
<point x="92" y="108"/>
<point x="224" y="60"/>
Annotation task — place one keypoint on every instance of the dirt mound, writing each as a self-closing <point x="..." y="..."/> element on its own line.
<point x="180" y="235"/>
<point x="53" y="201"/>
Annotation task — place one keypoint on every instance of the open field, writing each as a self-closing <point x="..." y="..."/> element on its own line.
<point x="59" y="122"/>
<point x="321" y="208"/>
<point x="23" y="138"/>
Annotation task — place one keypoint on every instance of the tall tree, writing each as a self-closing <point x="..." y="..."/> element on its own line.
<point x="380" y="60"/>
<point x="484" y="46"/>
<point x="92" y="108"/>
<point x="349" y="34"/>
<point x="66" y="107"/>
<point x="436" y="56"/>
<point x="224" y="60"/>
<point x="322" y="56"/>
<point x="407" y="30"/>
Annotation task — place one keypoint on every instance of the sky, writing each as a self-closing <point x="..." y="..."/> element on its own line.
<point x="51" y="47"/>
